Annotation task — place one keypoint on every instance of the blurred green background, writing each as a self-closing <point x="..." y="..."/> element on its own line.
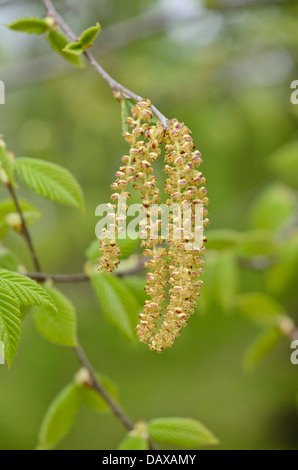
<point x="226" y="72"/>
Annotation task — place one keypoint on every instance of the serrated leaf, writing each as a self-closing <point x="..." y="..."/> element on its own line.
<point x="27" y="291"/>
<point x="58" y="42"/>
<point x="260" y="308"/>
<point x="7" y="207"/>
<point x="74" y="48"/>
<point x="29" y="25"/>
<point x="226" y="282"/>
<point x="133" y="443"/>
<point x="57" y="325"/>
<point x="60" y="417"/>
<point x="9" y="322"/>
<point x="6" y="162"/>
<point x="118" y="304"/>
<point x="181" y="432"/>
<point x="89" y="35"/>
<point x="51" y="181"/>
<point x="93" y="400"/>
<point x="261" y="347"/>
<point x="273" y="207"/>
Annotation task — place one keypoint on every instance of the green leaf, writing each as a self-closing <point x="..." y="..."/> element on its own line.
<point x="6" y="162"/>
<point x="260" y="308"/>
<point x="257" y="242"/>
<point x="133" y="443"/>
<point x="59" y="417"/>
<point x="273" y="207"/>
<point x="181" y="432"/>
<point x="9" y="322"/>
<point x="93" y="400"/>
<point x="74" y="48"/>
<point x="118" y="304"/>
<point x="30" y="25"/>
<point x="8" y="212"/>
<point x="57" y="325"/>
<point x="223" y="239"/>
<point x="284" y="163"/>
<point x="283" y="274"/>
<point x="226" y="282"/>
<point x="261" y="347"/>
<point x="58" y="42"/>
<point x="8" y="260"/>
<point x="51" y="181"/>
<point x="89" y="35"/>
<point x="27" y="291"/>
<point x="136" y="285"/>
<point x="127" y="246"/>
<point x="126" y="106"/>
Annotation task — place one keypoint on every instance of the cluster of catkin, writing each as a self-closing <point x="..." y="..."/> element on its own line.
<point x="173" y="269"/>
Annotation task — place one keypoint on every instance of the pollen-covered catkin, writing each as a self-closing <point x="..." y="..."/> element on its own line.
<point x="185" y="187"/>
<point x="175" y="263"/>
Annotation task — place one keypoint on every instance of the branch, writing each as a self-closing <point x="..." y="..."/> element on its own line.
<point x="82" y="277"/>
<point x="99" y="387"/>
<point x="25" y="230"/>
<point x="113" y="84"/>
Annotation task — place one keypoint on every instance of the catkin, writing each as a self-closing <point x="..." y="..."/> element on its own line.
<point x="173" y="267"/>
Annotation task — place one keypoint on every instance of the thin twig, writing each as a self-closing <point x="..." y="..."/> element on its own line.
<point x="113" y="84"/>
<point x="99" y="387"/>
<point x="82" y="277"/>
<point x="25" y="230"/>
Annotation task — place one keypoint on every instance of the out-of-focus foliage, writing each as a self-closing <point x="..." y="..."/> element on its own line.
<point x="227" y="74"/>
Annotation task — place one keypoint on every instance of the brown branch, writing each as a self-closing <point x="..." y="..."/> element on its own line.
<point x="82" y="277"/>
<point x="99" y="387"/>
<point x="25" y="231"/>
<point x="113" y="84"/>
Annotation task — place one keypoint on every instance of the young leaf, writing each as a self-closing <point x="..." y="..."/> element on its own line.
<point x="8" y="260"/>
<point x="8" y="213"/>
<point x="136" y="285"/>
<point x="283" y="274"/>
<point x="30" y="25"/>
<point x="127" y="246"/>
<point x="9" y="322"/>
<point x="226" y="280"/>
<point x="6" y="162"/>
<point x="181" y="432"/>
<point x="284" y="162"/>
<point x="133" y="443"/>
<point x="88" y="37"/>
<point x="118" y="304"/>
<point x="51" y="181"/>
<point x="273" y="207"/>
<point x="93" y="400"/>
<point x="26" y="291"/>
<point x="260" y="308"/>
<point x="261" y="347"/>
<point x="74" y="48"/>
<point x="223" y="239"/>
<point x="126" y="106"/>
<point x="57" y="325"/>
<point x="59" y="418"/>
<point x="58" y="42"/>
